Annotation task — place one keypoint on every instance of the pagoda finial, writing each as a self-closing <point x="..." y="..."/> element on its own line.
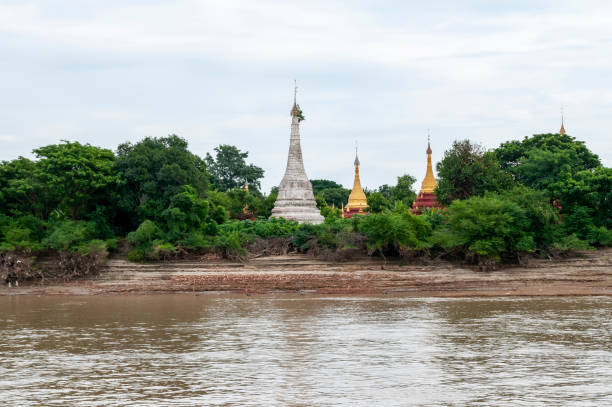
<point x="357" y="163"/>
<point x="428" y="143"/>
<point x="295" y="110"/>
<point x="562" y="130"/>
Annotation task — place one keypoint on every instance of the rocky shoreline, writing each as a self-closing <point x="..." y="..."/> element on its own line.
<point x="589" y="274"/>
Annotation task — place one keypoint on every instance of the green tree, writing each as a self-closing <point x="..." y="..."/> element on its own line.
<point x="152" y="171"/>
<point x="186" y="212"/>
<point x="394" y="232"/>
<point x="543" y="217"/>
<point x="514" y="154"/>
<point x="377" y="202"/>
<point x="319" y="185"/>
<point x="77" y="178"/>
<point x="485" y="227"/>
<point x="468" y="170"/>
<point x="242" y="203"/>
<point x="335" y="196"/>
<point x="586" y="199"/>
<point x="265" y="203"/>
<point x="386" y="190"/>
<point x="69" y="180"/>
<point x="229" y="170"/>
<point x="570" y="174"/>
<point x="402" y="191"/>
<point x="20" y="190"/>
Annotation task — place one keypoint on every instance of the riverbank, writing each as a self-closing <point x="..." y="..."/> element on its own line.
<point x="590" y="274"/>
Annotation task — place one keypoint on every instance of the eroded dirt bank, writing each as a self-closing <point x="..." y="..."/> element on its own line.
<point x="588" y="275"/>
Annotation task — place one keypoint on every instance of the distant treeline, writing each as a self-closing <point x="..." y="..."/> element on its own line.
<point x="544" y="195"/>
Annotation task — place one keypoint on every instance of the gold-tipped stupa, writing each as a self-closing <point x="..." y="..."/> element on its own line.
<point x="427" y="197"/>
<point x="429" y="184"/>
<point x="357" y="201"/>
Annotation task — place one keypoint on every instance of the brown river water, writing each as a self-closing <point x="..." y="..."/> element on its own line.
<point x="226" y="350"/>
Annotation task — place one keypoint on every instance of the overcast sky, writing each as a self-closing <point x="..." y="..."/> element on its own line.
<point x="380" y="72"/>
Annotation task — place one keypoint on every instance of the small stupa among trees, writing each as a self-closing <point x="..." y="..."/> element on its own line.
<point x="357" y="201"/>
<point x="426" y="198"/>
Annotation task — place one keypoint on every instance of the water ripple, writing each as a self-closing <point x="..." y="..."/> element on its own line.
<point x="186" y="350"/>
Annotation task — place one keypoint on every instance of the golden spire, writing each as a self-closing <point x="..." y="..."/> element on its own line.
<point x="562" y="131"/>
<point x="357" y="198"/>
<point x="429" y="183"/>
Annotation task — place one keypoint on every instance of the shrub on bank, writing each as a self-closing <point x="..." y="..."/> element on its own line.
<point x="74" y="243"/>
<point x="488" y="227"/>
<point x="395" y="233"/>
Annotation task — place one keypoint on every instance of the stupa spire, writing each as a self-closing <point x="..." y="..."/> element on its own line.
<point x="429" y="182"/>
<point x="295" y="199"/>
<point x="295" y="110"/>
<point x="562" y="130"/>
<point x="357" y="198"/>
<point x="426" y="199"/>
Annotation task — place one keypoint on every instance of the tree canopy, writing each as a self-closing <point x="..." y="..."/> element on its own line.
<point x="569" y="173"/>
<point x="542" y="195"/>
<point x="229" y="169"/>
<point x="319" y="185"/>
<point x="68" y="180"/>
<point x="466" y="170"/>
<point x="513" y="154"/>
<point x="152" y="171"/>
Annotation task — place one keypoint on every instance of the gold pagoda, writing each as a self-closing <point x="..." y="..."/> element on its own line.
<point x="426" y="197"/>
<point x="357" y="201"/>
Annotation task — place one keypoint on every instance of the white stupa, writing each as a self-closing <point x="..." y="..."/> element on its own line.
<point x="295" y="199"/>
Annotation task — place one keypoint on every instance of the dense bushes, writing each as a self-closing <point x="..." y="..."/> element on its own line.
<point x="544" y="195"/>
<point x="489" y="227"/>
<point x="394" y="232"/>
<point x="79" y="252"/>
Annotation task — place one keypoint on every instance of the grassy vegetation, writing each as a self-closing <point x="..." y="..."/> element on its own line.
<point x="546" y="195"/>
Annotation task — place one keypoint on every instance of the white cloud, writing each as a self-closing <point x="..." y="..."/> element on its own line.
<point x="220" y="71"/>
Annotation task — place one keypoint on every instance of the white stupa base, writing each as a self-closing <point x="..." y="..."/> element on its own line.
<point x="301" y="214"/>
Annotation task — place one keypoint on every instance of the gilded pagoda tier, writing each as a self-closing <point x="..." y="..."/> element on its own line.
<point x="357" y="199"/>
<point x="426" y="198"/>
<point x="429" y="182"/>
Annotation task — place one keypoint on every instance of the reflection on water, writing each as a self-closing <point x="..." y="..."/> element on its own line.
<point x="304" y="351"/>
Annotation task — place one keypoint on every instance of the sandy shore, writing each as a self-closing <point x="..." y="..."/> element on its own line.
<point x="587" y="275"/>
